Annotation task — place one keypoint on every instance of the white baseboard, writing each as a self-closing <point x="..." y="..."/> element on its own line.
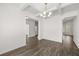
<point x="2" y="52"/>
<point x="76" y="43"/>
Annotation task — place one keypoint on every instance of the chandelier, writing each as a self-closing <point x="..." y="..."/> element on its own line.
<point x="45" y="13"/>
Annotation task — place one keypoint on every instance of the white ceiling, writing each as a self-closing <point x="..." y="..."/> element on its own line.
<point x="40" y="6"/>
<point x="36" y="8"/>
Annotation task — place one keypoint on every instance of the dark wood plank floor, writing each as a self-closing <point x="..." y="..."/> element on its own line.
<point x="45" y="48"/>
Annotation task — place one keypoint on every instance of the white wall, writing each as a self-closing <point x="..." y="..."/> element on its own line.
<point x="12" y="27"/>
<point x="68" y="27"/>
<point x="76" y="30"/>
<point x="52" y="29"/>
<point x="40" y="29"/>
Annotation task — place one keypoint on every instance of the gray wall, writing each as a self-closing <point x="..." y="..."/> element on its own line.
<point x="12" y="27"/>
<point x="76" y="30"/>
<point x="68" y="27"/>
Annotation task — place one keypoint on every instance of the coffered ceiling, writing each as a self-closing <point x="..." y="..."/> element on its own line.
<point x="35" y="8"/>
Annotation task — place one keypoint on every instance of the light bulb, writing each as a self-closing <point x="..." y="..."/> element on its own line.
<point x="49" y="14"/>
<point x="41" y="14"/>
<point x="44" y="12"/>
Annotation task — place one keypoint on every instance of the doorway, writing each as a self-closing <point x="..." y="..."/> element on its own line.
<point x="32" y="39"/>
<point x="68" y="32"/>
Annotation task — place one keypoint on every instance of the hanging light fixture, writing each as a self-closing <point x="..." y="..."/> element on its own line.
<point x="46" y="13"/>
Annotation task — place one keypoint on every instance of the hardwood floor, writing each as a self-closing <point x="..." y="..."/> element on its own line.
<point x="45" y="48"/>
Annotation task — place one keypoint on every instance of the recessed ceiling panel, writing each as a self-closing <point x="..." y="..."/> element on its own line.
<point x="31" y="9"/>
<point x="36" y="8"/>
<point x="41" y="6"/>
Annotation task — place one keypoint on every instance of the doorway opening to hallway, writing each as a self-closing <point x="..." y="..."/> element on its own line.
<point x="32" y="39"/>
<point x="68" y="32"/>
